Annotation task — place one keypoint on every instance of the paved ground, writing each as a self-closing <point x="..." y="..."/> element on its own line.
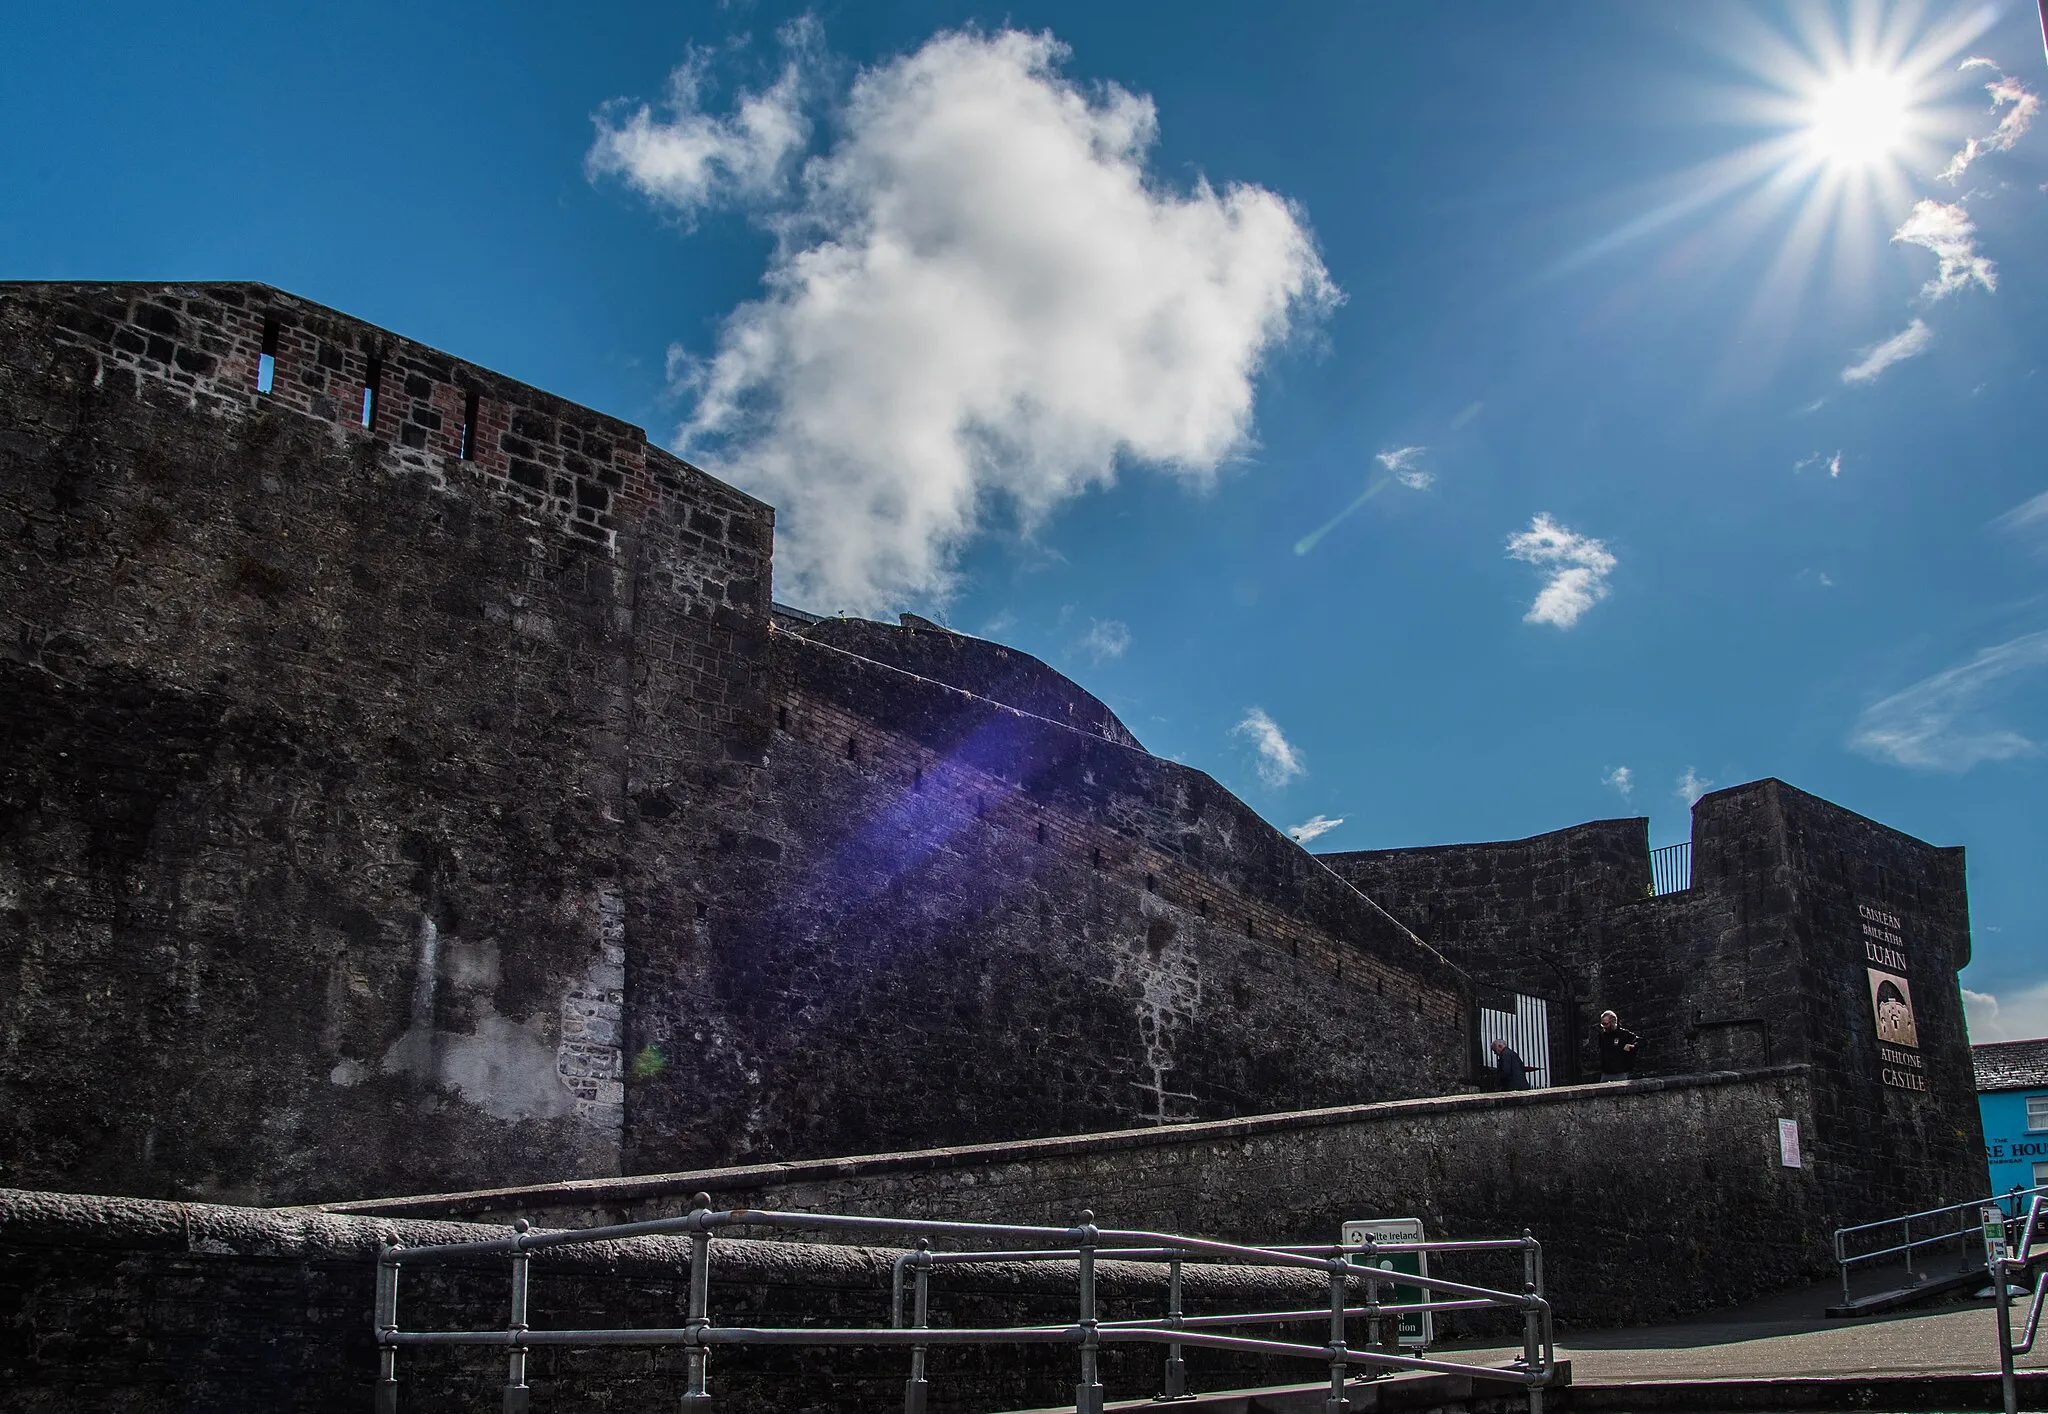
<point x="1788" y="1336"/>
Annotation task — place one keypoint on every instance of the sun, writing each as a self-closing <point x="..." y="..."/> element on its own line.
<point x="1859" y="119"/>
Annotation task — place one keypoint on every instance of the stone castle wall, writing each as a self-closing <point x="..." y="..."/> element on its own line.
<point x="1764" y="960"/>
<point x="1653" y="1198"/>
<point x="402" y="786"/>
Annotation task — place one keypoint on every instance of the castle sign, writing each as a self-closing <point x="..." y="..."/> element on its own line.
<point x="1891" y="1000"/>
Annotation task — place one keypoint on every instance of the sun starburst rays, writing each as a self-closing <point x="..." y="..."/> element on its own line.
<point x="1848" y="114"/>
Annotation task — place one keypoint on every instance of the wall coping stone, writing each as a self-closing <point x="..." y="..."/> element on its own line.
<point x="93" y="1222"/>
<point x="751" y="1176"/>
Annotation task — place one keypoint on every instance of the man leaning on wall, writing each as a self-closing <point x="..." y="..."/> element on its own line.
<point x="1618" y="1047"/>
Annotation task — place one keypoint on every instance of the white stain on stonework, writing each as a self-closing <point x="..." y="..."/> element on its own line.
<point x="590" y="1057"/>
<point x="1160" y="966"/>
<point x="550" y="1065"/>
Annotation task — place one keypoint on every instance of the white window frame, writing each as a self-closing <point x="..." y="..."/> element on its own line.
<point x="2037" y="1113"/>
<point x="2041" y="1175"/>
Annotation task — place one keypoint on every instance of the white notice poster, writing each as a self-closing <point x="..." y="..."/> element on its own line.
<point x="1788" y="1143"/>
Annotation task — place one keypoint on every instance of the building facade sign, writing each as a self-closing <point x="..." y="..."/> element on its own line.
<point x="1891" y="1000"/>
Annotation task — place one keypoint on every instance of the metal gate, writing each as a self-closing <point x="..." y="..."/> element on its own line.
<point x="1526" y="1030"/>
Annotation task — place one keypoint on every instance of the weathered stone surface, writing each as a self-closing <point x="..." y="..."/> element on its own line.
<point x="1762" y="961"/>
<point x="402" y="787"/>
<point x="159" y="1308"/>
<point x="1654" y="1198"/>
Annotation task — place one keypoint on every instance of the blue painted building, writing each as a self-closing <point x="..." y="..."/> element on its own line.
<point x="2012" y="1093"/>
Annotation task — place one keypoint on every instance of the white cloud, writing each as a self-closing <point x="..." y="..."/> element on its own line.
<point x="689" y="159"/>
<point x="1692" y="785"/>
<point x="2004" y="90"/>
<point x="1907" y="343"/>
<point x="1621" y="779"/>
<point x="2016" y="1016"/>
<point x="1832" y="463"/>
<point x="1942" y="723"/>
<point x="2027" y="518"/>
<point x="1314" y="827"/>
<point x="1976" y="61"/>
<point x="1578" y="565"/>
<point x="1950" y="234"/>
<point x="1106" y="638"/>
<point x="1279" y="762"/>
<point x="1466" y="414"/>
<point x="981" y="302"/>
<point x="1402" y="462"/>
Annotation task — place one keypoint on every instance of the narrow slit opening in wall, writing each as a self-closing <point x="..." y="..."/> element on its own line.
<point x="266" y="361"/>
<point x="469" y="450"/>
<point x="372" y="376"/>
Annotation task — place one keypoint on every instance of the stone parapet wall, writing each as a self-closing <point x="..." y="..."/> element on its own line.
<point x="1653" y="1198"/>
<point x="162" y="1308"/>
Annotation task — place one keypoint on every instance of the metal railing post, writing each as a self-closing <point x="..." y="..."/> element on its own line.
<point x="1907" y="1225"/>
<point x="1175" y="1385"/>
<point x="915" y="1388"/>
<point x="387" y="1326"/>
<point x="1088" y="1393"/>
<point x="1340" y="1367"/>
<point x="518" y="1395"/>
<point x="695" y="1396"/>
<point x="1373" y="1338"/>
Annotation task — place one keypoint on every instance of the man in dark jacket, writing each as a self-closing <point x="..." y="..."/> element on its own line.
<point x="1617" y="1048"/>
<point x="1514" y="1075"/>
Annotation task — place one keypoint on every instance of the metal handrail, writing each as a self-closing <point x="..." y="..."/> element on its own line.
<point x="1966" y="1223"/>
<point x="1082" y="1244"/>
<point x="2003" y="1264"/>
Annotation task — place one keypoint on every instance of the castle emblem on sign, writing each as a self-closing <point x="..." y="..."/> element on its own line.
<point x="1891" y="1000"/>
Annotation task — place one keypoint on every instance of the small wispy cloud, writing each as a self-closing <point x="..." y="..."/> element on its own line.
<point x="1106" y="639"/>
<point x="2029" y="517"/>
<point x="1909" y="342"/>
<point x="2020" y="106"/>
<point x="1951" y="235"/>
<point x="1279" y="762"/>
<point x="1832" y="463"/>
<point x="1578" y="566"/>
<point x="1807" y="409"/>
<point x="1945" y="722"/>
<point x="1466" y="414"/>
<point x="1315" y="827"/>
<point x="1691" y="786"/>
<point x="1620" y="779"/>
<point x="1402" y="463"/>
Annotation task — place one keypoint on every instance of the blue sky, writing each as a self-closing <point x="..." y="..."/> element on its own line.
<point x="1689" y="421"/>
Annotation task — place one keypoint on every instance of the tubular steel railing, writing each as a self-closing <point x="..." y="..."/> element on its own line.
<point x="1957" y="1223"/>
<point x="2006" y="1260"/>
<point x="1671" y="869"/>
<point x="1082" y="1244"/>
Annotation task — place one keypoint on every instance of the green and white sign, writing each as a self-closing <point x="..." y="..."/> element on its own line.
<point x="1416" y="1328"/>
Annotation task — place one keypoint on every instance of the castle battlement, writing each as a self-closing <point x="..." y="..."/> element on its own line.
<point x="239" y="347"/>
